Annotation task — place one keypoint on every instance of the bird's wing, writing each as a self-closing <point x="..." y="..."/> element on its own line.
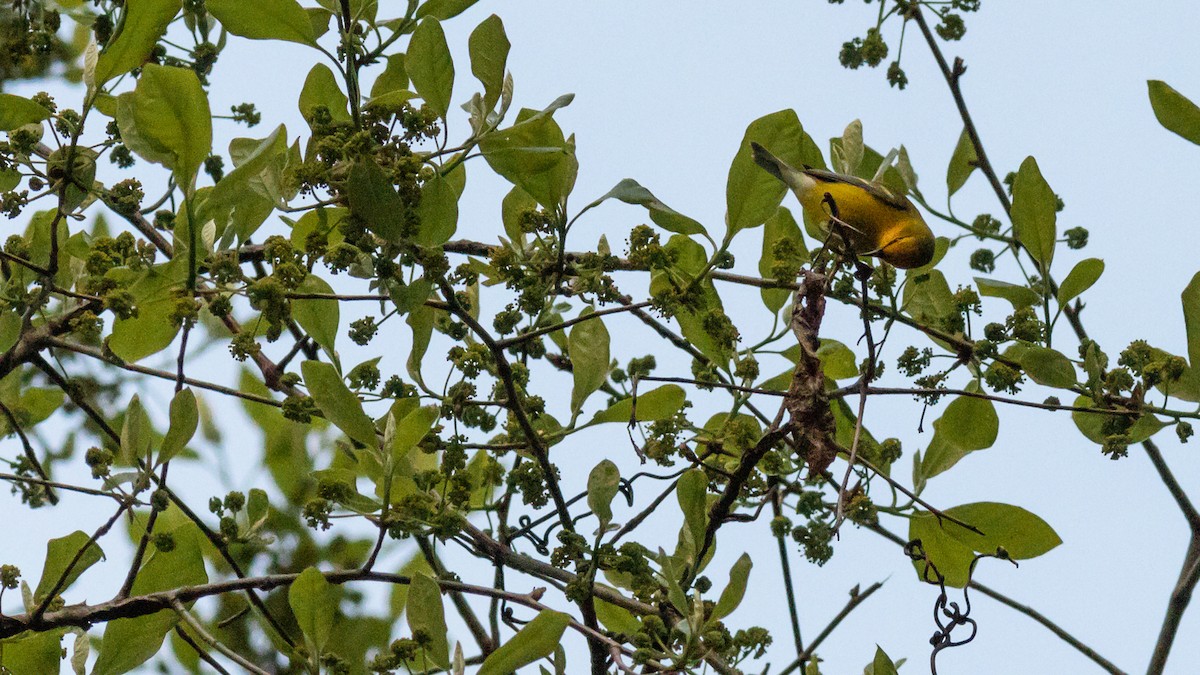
<point x="876" y="190"/>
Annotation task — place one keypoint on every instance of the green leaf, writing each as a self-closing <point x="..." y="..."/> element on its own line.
<point x="443" y="9"/>
<point x="488" y="46"/>
<point x="318" y="318"/>
<point x="654" y="405"/>
<point x="962" y="163"/>
<point x="882" y="663"/>
<point x="438" y="212"/>
<point x="153" y="329"/>
<point x="1019" y="296"/>
<point x="430" y="67"/>
<point x="247" y="195"/>
<point x="515" y="203"/>
<point x="136" y="432"/>
<point x="690" y="260"/>
<point x="732" y="596"/>
<point x="851" y="149"/>
<point x="631" y="192"/>
<point x="967" y="425"/>
<point x="185" y="417"/>
<point x="10" y="330"/>
<point x="416" y="565"/>
<point x="1043" y="365"/>
<point x="951" y="547"/>
<point x="139" y="29"/>
<point x="751" y="194"/>
<point x="166" y="120"/>
<point x="691" y="491"/>
<point x="601" y="488"/>
<point x="838" y="362"/>
<point x="321" y="88"/>
<point x="371" y="197"/>
<point x="17" y="111"/>
<point x="339" y="405"/>
<point x="1091" y="425"/>
<point x="314" y="602"/>
<point x="425" y="613"/>
<point x="587" y="345"/>
<point x="535" y="641"/>
<point x="128" y="643"/>
<point x="420" y="320"/>
<point x="265" y="20"/>
<point x="617" y="619"/>
<point x="1191" y="319"/>
<point x="59" y="553"/>
<point x="1174" y="110"/>
<point x="534" y="155"/>
<point x="393" y="78"/>
<point x="33" y="652"/>
<point x="779" y="227"/>
<point x="412" y="428"/>
<point x="1082" y="276"/>
<point x="1034" y="213"/>
<point x="927" y="298"/>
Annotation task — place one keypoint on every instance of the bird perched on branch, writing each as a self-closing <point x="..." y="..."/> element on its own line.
<point x="877" y="221"/>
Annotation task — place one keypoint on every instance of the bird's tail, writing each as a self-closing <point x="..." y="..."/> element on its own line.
<point x="766" y="160"/>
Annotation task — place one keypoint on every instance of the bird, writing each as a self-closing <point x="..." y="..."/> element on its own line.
<point x="878" y="221"/>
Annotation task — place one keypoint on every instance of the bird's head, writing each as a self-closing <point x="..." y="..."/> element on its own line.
<point x="909" y="251"/>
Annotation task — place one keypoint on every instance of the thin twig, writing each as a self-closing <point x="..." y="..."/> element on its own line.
<point x="856" y="598"/>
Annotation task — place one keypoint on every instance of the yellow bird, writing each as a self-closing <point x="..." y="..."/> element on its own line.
<point x="879" y="222"/>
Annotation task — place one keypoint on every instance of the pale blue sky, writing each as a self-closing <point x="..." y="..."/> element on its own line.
<point x="663" y="94"/>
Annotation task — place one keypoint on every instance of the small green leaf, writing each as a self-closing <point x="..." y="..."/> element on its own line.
<point x="751" y="194"/>
<point x="851" y="148"/>
<point x="587" y="345"/>
<point x="425" y="613"/>
<point x="780" y="227"/>
<point x="246" y="196"/>
<point x="412" y="428"/>
<point x="927" y="298"/>
<point x="617" y="619"/>
<point x="138" y="31"/>
<point x="1082" y="276"/>
<point x="967" y="425"/>
<point x="371" y="197"/>
<point x="1019" y="296"/>
<point x="732" y="596"/>
<point x="601" y="488"/>
<point x="430" y="67"/>
<point x="515" y="203"/>
<point x="136" y="432"/>
<point x="264" y="20"/>
<point x="416" y="566"/>
<point x="536" y="640"/>
<point x="1034" y="213"/>
<point x="17" y="111"/>
<point x="59" y="553"/>
<point x="838" y="361"/>
<point x="185" y="417"/>
<point x="1191" y="319"/>
<point x="534" y="155"/>
<point x="166" y="120"/>
<point x="10" y="330"/>
<point x="632" y="192"/>
<point x="654" y="405"/>
<point x="1043" y="365"/>
<point x="314" y="602"/>
<point x="882" y="663"/>
<point x="1174" y="110"/>
<point x="488" y="46"/>
<point x="420" y="320"/>
<point x="318" y="318"/>
<point x="438" y="212"/>
<point x="443" y="9"/>
<point x="691" y="491"/>
<point x="339" y="405"/>
<point x="321" y="89"/>
<point x="393" y="78"/>
<point x="962" y="163"/>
